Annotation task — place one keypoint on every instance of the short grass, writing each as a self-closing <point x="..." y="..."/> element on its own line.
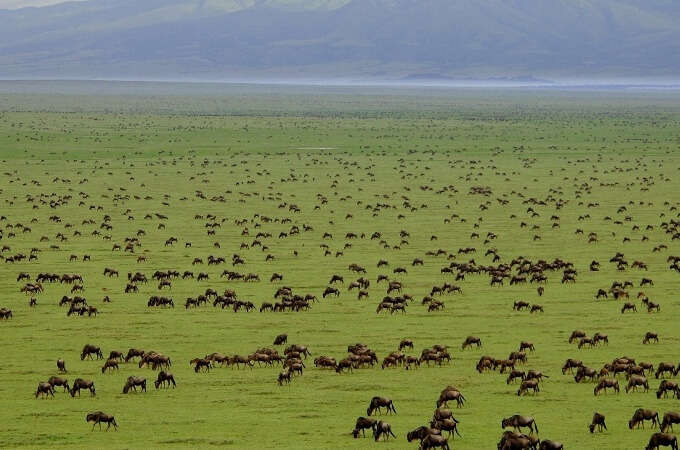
<point x="626" y="156"/>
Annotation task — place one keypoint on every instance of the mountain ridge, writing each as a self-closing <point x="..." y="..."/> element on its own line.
<point x="391" y="39"/>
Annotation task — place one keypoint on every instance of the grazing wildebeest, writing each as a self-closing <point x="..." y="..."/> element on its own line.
<point x="380" y="402"/>
<point x="514" y="374"/>
<point x="434" y="441"/>
<point x="639" y="417"/>
<point x="536" y="308"/>
<point x="302" y="349"/>
<point x="606" y="383"/>
<point x="116" y="355"/>
<point x="599" y="337"/>
<point x="518" y="422"/>
<point x="470" y="341"/>
<point x="586" y="341"/>
<point x="598" y="421"/>
<point x="649" y="337"/>
<point x="669" y="419"/>
<point x="284" y="377"/>
<point x="576" y="334"/>
<point x="663" y="368"/>
<point x="98" y="417"/>
<point x="79" y="384"/>
<point x="132" y="383"/>
<point x="45" y="389"/>
<point x="451" y="394"/>
<point x="585" y="372"/>
<point x="330" y="291"/>
<point x="110" y="364"/>
<point x="201" y="363"/>
<point x="133" y="353"/>
<point x="163" y="378"/>
<point x="520" y="305"/>
<point x="525" y="345"/>
<point x="550" y="445"/>
<point x="571" y="364"/>
<point x="528" y="385"/>
<point x="61" y="365"/>
<point x="58" y="381"/>
<point x="405" y="343"/>
<point x="628" y="307"/>
<point x="382" y="429"/>
<point x="511" y="440"/>
<point x="363" y="424"/>
<point x="662" y="439"/>
<point x="448" y="425"/>
<point x="90" y="350"/>
<point x="536" y="375"/>
<point x="665" y="386"/>
<point x="634" y="381"/>
<point x="421" y="433"/>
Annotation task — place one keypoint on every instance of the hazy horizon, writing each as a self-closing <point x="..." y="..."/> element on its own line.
<point x="440" y="42"/>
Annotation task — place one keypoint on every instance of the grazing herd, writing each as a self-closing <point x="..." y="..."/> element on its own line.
<point x="377" y="254"/>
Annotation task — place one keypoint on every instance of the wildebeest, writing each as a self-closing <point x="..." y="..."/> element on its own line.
<point x="330" y="291"/>
<point x="449" y="425"/>
<point x="665" y="386"/>
<point x="58" y="381"/>
<point x="649" y="337"/>
<point x="382" y="429"/>
<point x="470" y="341"/>
<point x="662" y="439"/>
<point x="606" y="383"/>
<point x="377" y="403"/>
<point x="665" y="367"/>
<point x="528" y="385"/>
<point x="110" y="364"/>
<point x="163" y="379"/>
<point x="639" y="417"/>
<point x="421" y="433"/>
<point x="517" y="422"/>
<point x="45" y="389"/>
<point x="79" y="384"/>
<point x="362" y="424"/>
<point x="576" y="334"/>
<point x="598" y="421"/>
<point x="571" y="364"/>
<point x="434" y="441"/>
<point x="98" y="417"/>
<point x="405" y="343"/>
<point x="133" y="353"/>
<point x="628" y="307"/>
<point x="669" y="419"/>
<point x="585" y="372"/>
<point x="201" y="363"/>
<point x="132" y="382"/>
<point x="634" y="381"/>
<point x="89" y="350"/>
<point x="448" y="394"/>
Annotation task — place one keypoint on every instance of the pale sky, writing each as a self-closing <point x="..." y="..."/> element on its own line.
<point x="14" y="4"/>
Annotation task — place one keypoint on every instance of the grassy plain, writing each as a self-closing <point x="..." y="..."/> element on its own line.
<point x="356" y="150"/>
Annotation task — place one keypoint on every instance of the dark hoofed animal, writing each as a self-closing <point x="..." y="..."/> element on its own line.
<point x="99" y="417"/>
<point x="380" y="402"/>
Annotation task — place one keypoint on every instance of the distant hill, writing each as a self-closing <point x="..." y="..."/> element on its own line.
<point x="343" y="39"/>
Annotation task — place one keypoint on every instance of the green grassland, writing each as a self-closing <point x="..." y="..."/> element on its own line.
<point x="398" y="149"/>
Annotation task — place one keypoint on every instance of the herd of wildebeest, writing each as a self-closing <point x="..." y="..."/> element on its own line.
<point x="454" y="264"/>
